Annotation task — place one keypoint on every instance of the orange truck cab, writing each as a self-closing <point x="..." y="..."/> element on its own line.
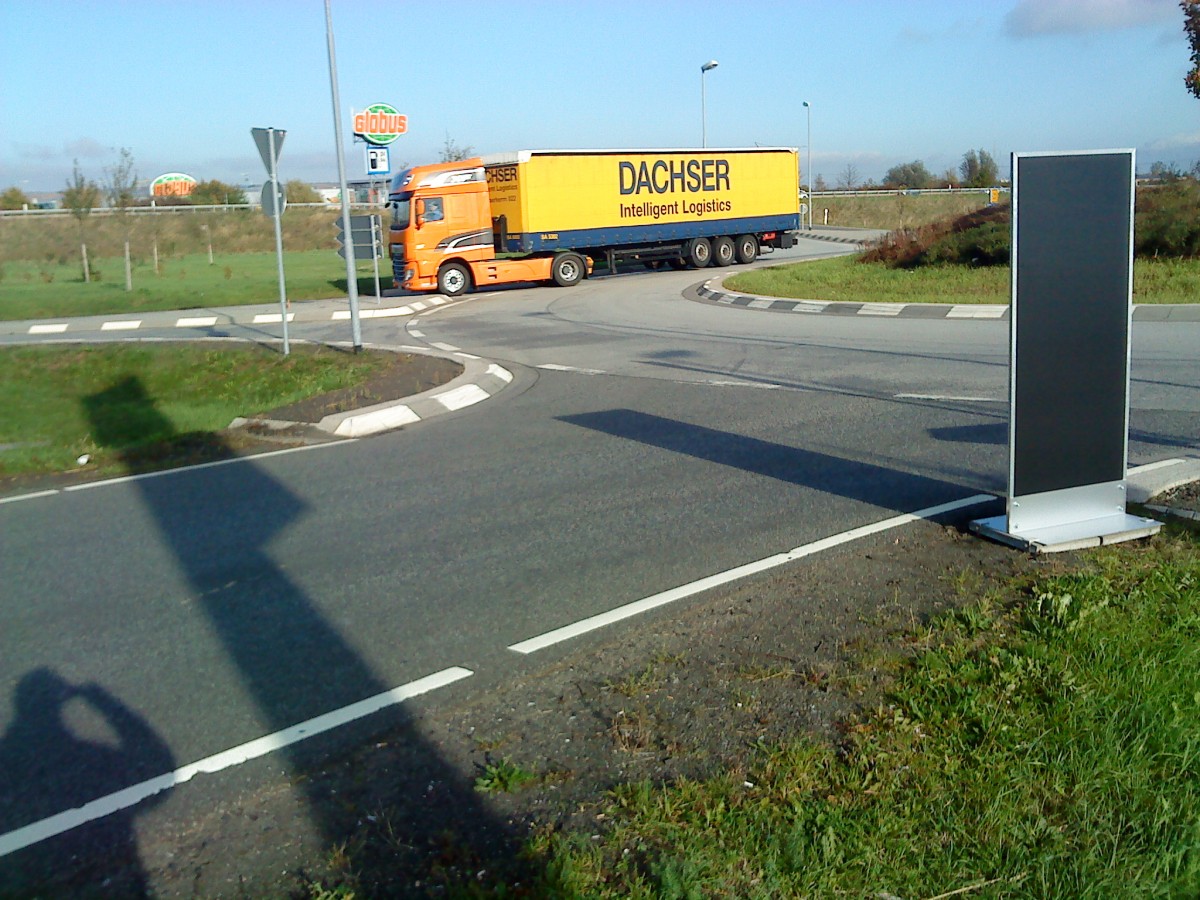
<point x="547" y="215"/>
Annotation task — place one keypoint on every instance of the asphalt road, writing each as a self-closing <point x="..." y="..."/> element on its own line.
<point x="648" y="439"/>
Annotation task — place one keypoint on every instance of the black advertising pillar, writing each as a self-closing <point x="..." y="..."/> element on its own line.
<point x="1072" y="289"/>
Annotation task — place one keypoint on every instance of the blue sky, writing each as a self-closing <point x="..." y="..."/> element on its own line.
<point x="889" y="81"/>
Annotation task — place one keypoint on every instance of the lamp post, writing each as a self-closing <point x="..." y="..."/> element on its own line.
<point x="711" y="64"/>
<point x="808" y="115"/>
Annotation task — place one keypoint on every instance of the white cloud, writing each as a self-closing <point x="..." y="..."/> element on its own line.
<point x="1036" y="17"/>
<point x="86" y="148"/>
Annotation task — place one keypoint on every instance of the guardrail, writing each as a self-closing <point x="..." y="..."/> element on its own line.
<point x="910" y="192"/>
<point x="149" y="210"/>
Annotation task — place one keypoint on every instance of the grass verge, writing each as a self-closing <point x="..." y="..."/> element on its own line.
<point x="847" y="279"/>
<point x="1042" y="744"/>
<point x="33" y="290"/>
<point x="136" y="407"/>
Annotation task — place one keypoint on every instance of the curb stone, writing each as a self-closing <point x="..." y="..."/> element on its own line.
<point x="480" y="380"/>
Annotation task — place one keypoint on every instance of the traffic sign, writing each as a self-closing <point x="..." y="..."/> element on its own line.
<point x="262" y="139"/>
<point x="273" y="197"/>
<point x="365" y="235"/>
<point x="378" y="162"/>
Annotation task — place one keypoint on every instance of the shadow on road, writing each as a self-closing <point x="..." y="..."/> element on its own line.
<point x="855" y="480"/>
<point x="219" y="524"/>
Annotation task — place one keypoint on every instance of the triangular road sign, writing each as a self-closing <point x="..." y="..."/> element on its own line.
<point x="263" y="141"/>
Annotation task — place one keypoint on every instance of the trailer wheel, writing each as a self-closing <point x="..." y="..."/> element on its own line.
<point x="568" y="269"/>
<point x="722" y="251"/>
<point x="454" y="279"/>
<point x="746" y="248"/>
<point x="699" y="252"/>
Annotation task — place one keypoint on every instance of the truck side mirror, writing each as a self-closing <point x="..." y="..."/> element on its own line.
<point x="419" y="213"/>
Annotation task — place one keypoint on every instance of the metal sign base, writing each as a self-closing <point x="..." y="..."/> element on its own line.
<point x="1111" y="529"/>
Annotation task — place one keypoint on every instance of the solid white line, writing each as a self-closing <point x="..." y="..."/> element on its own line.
<point x="208" y="465"/>
<point x="745" y="384"/>
<point x="27" y="496"/>
<point x="950" y="397"/>
<point x="127" y="325"/>
<point x="467" y="395"/>
<point x="103" y="806"/>
<point x="196" y="322"/>
<point x="550" y="638"/>
<point x="56" y="328"/>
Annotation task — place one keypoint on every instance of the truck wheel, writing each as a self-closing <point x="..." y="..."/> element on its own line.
<point x="746" y="248"/>
<point x="567" y="269"/>
<point x="454" y="279"/>
<point x="722" y="251"/>
<point x="699" y="252"/>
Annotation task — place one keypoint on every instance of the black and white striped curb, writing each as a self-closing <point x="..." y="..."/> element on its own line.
<point x="303" y="311"/>
<point x="712" y="291"/>
<point x="479" y="381"/>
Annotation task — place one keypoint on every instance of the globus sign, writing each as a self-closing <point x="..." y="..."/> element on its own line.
<point x="380" y="123"/>
<point x="173" y="184"/>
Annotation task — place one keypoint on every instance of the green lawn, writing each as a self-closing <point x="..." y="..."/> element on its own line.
<point x="845" y="278"/>
<point x="148" y="406"/>
<point x="1042" y="747"/>
<point x="32" y="290"/>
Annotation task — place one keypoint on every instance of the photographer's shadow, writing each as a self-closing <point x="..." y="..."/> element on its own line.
<point x="68" y="744"/>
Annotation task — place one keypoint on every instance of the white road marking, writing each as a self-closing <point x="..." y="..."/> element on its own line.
<point x="449" y="348"/>
<point x="374" y="422"/>
<point x="127" y="325"/>
<point x="208" y="465"/>
<point x="32" y="496"/>
<point x="500" y="372"/>
<point x="584" y="626"/>
<point x="267" y="318"/>
<point x="55" y="328"/>
<point x="950" y="397"/>
<point x="746" y="384"/>
<point x="555" y="367"/>
<point x="123" y="799"/>
<point x="196" y="322"/>
<point x="415" y="333"/>
<point x="1150" y="467"/>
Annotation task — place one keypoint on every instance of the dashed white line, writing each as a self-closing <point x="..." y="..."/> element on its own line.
<point x="268" y="318"/>
<point x="449" y="348"/>
<point x="882" y="309"/>
<point x="584" y="626"/>
<point x="746" y="384"/>
<point x="415" y="333"/>
<point x="555" y="367"/>
<point x="126" y="325"/>
<point x="976" y="312"/>
<point x="54" y="328"/>
<point x="500" y="372"/>
<point x="32" y="496"/>
<point x="123" y="799"/>
<point x="196" y="322"/>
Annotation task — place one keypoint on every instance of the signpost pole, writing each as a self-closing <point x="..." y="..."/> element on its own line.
<point x="376" y="240"/>
<point x="276" y="215"/>
<point x="351" y="268"/>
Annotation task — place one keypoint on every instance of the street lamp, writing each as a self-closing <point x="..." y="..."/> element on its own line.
<point x="808" y="115"/>
<point x="711" y="64"/>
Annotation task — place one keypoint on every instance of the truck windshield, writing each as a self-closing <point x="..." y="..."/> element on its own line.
<point x="400" y="210"/>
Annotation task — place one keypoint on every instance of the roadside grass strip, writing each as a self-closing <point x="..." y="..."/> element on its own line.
<point x="1041" y="742"/>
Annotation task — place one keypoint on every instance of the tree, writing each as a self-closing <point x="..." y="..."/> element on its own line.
<point x="218" y="193"/>
<point x="1191" y="27"/>
<point x="908" y="175"/>
<point x="120" y="187"/>
<point x="849" y="177"/>
<point x="120" y="182"/>
<point x="301" y="192"/>
<point x="451" y="152"/>
<point x="14" y="198"/>
<point x="979" y="169"/>
<point x="81" y="196"/>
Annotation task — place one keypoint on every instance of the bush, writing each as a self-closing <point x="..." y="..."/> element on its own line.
<point x="980" y="238"/>
<point x="1168" y="219"/>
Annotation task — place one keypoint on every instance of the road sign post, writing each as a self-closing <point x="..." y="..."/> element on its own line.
<point x="366" y="236"/>
<point x="1072" y="288"/>
<point x="269" y="142"/>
